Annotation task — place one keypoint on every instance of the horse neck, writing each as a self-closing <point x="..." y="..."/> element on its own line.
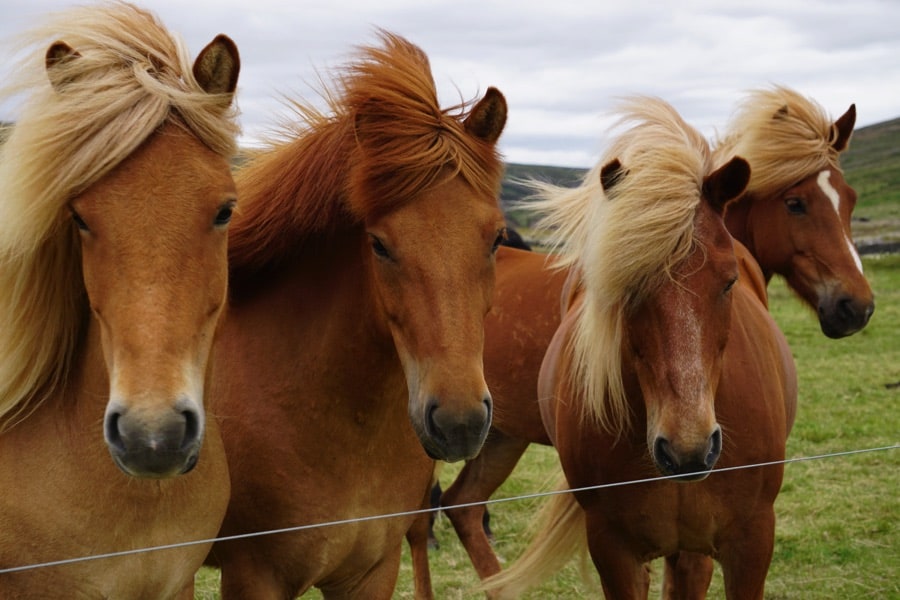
<point x="290" y="196"/>
<point x="328" y="287"/>
<point x="739" y="225"/>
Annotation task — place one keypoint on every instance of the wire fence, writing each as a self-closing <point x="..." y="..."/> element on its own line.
<point x="421" y="511"/>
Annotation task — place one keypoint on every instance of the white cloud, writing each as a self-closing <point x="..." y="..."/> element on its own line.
<point x="561" y="64"/>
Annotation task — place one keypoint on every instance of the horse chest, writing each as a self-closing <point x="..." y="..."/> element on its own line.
<point x="107" y="511"/>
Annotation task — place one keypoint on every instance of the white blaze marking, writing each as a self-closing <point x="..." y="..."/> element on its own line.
<point x="828" y="189"/>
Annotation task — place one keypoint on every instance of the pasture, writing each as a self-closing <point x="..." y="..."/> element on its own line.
<point x="837" y="533"/>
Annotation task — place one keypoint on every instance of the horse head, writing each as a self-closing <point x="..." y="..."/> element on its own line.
<point x="152" y="233"/>
<point x="434" y="296"/>
<point x="676" y="331"/>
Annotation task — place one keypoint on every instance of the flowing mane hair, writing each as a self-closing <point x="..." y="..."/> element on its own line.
<point x="130" y="77"/>
<point x="785" y="137"/>
<point x="384" y="140"/>
<point x="622" y="243"/>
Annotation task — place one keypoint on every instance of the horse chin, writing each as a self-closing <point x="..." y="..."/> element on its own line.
<point x="837" y="329"/>
<point x="689" y="477"/>
<point x="158" y="466"/>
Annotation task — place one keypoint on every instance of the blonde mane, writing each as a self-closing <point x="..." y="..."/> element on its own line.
<point x="623" y="243"/>
<point x="783" y="135"/>
<point x="131" y="76"/>
<point x="384" y="139"/>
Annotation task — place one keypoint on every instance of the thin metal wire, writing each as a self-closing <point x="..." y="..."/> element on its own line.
<point x="420" y="511"/>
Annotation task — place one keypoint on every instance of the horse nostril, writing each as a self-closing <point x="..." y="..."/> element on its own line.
<point x="845" y="309"/>
<point x="191" y="429"/>
<point x="715" y="448"/>
<point x="431" y="426"/>
<point x="662" y="453"/>
<point x="112" y="431"/>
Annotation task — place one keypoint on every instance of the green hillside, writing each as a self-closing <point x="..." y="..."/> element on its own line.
<point x="872" y="167"/>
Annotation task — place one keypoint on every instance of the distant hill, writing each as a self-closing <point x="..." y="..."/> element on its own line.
<point x="512" y="192"/>
<point x="872" y="167"/>
<point x="872" y="164"/>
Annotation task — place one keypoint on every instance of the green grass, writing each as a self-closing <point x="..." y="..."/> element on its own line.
<point x="837" y="535"/>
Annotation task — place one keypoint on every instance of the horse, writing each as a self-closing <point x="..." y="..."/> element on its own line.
<point x="666" y="362"/>
<point x="351" y="354"/>
<point x="117" y="193"/>
<point x="794" y="221"/>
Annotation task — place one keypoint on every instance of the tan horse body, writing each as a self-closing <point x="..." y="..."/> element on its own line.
<point x="352" y="349"/>
<point x="108" y="449"/>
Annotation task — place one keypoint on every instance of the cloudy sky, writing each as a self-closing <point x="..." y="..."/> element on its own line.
<point x="562" y="64"/>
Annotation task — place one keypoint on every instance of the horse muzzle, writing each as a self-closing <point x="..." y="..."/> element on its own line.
<point x="844" y="315"/>
<point x="689" y="464"/>
<point x="154" y="446"/>
<point x="451" y="434"/>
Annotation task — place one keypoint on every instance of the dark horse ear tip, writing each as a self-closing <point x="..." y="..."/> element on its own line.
<point x="488" y="116"/>
<point x="611" y="173"/>
<point x="495" y="92"/>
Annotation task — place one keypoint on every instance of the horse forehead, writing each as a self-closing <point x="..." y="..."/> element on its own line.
<point x="172" y="174"/>
<point x="823" y="180"/>
<point x="711" y="233"/>
<point x="452" y="209"/>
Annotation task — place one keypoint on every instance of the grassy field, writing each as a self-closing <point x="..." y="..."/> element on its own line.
<point x="837" y="532"/>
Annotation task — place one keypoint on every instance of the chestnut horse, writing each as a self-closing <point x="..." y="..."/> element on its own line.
<point x="795" y="222"/>
<point x="665" y="362"/>
<point x="351" y="354"/>
<point x="117" y="192"/>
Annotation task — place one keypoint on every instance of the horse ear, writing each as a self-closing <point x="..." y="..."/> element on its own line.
<point x="843" y="129"/>
<point x="610" y="174"/>
<point x="727" y="182"/>
<point x="488" y="117"/>
<point x="58" y="55"/>
<point x="217" y="66"/>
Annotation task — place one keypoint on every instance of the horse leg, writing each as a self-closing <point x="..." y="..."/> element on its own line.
<point x="418" y="537"/>
<point x="745" y="557"/>
<point x="486" y="525"/>
<point x="477" y="480"/>
<point x="623" y="575"/>
<point x="687" y="575"/>
<point x="434" y="502"/>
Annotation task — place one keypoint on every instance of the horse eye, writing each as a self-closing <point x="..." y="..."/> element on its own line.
<point x="729" y="285"/>
<point x="223" y="217"/>
<point x="501" y="237"/>
<point x="378" y="247"/>
<point x="795" y="206"/>
<point x="79" y="222"/>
